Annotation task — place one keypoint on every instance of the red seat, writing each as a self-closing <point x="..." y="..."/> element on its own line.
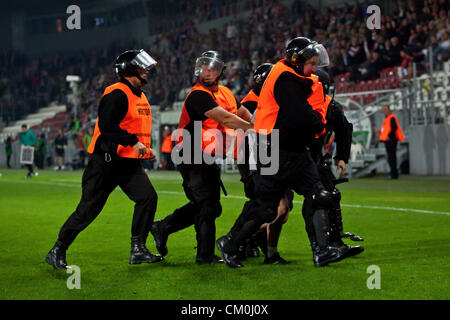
<point x="378" y="84"/>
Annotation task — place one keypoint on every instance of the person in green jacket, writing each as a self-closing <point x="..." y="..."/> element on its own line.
<point x="28" y="139"/>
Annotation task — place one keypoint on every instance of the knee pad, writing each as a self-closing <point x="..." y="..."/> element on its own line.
<point x="322" y="199"/>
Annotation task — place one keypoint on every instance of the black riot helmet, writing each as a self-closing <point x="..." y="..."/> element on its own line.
<point x="213" y="60"/>
<point x="128" y="62"/>
<point x="260" y="74"/>
<point x="301" y="49"/>
<point x="324" y="78"/>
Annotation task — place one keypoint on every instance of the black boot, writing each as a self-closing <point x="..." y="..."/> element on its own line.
<point x="352" y="236"/>
<point x="212" y="259"/>
<point x="350" y="251"/>
<point x="57" y="256"/>
<point x="325" y="253"/>
<point x="252" y="250"/>
<point x="242" y="252"/>
<point x="337" y="214"/>
<point x="139" y="253"/>
<point x="160" y="236"/>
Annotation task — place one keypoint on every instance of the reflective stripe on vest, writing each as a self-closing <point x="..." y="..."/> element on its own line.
<point x="138" y="121"/>
<point x="386" y="129"/>
<point x="267" y="110"/>
<point x="210" y="144"/>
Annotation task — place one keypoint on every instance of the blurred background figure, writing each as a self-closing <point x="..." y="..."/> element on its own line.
<point x="60" y="143"/>
<point x="40" y="152"/>
<point x="8" y="151"/>
<point x="28" y="139"/>
<point x="166" y="149"/>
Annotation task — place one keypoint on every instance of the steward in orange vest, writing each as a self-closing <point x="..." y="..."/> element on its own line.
<point x="121" y="138"/>
<point x="210" y="113"/>
<point x="166" y="149"/>
<point x="390" y="129"/>
<point x="390" y="134"/>
<point x="284" y="104"/>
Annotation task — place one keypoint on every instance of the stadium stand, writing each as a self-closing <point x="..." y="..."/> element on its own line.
<point x="361" y="60"/>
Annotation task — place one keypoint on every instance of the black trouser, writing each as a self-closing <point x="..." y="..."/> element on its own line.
<point x="8" y="159"/>
<point x="100" y="178"/>
<point x="335" y="216"/>
<point x="201" y="185"/>
<point x="82" y="153"/>
<point x="30" y="169"/>
<point x="391" y="150"/>
<point x="297" y="171"/>
<point x="168" y="160"/>
<point x="39" y="159"/>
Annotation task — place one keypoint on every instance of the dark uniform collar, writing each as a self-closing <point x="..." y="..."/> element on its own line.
<point x="136" y="91"/>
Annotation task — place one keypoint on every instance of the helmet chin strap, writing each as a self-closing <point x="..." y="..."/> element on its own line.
<point x="144" y="81"/>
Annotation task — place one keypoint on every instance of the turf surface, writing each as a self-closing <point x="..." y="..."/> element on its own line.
<point x="405" y="225"/>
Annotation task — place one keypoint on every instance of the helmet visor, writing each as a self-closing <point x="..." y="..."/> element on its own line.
<point x="210" y="63"/>
<point x="316" y="50"/>
<point x="324" y="60"/>
<point x="144" y="60"/>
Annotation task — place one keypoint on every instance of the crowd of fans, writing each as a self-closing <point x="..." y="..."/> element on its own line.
<point x="404" y="37"/>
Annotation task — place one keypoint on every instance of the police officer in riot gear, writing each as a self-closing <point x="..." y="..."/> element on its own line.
<point x="121" y="138"/>
<point x="285" y="104"/>
<point x="212" y="107"/>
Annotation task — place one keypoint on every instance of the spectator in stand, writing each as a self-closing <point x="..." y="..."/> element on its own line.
<point x="442" y="52"/>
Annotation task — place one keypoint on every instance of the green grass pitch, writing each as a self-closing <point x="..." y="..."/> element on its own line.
<point x="405" y="225"/>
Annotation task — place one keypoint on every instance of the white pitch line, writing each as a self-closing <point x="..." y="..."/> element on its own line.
<point x="242" y="197"/>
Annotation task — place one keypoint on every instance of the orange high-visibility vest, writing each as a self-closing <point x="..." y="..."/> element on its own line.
<point x="166" y="146"/>
<point x="386" y="129"/>
<point x="210" y="142"/>
<point x="251" y="96"/>
<point x="138" y="121"/>
<point x="267" y="110"/>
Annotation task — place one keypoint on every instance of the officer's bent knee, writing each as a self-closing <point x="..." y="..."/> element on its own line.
<point x="322" y="199"/>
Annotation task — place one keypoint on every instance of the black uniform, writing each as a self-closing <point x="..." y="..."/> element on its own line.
<point x="106" y="170"/>
<point x="337" y="123"/>
<point x="297" y="124"/>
